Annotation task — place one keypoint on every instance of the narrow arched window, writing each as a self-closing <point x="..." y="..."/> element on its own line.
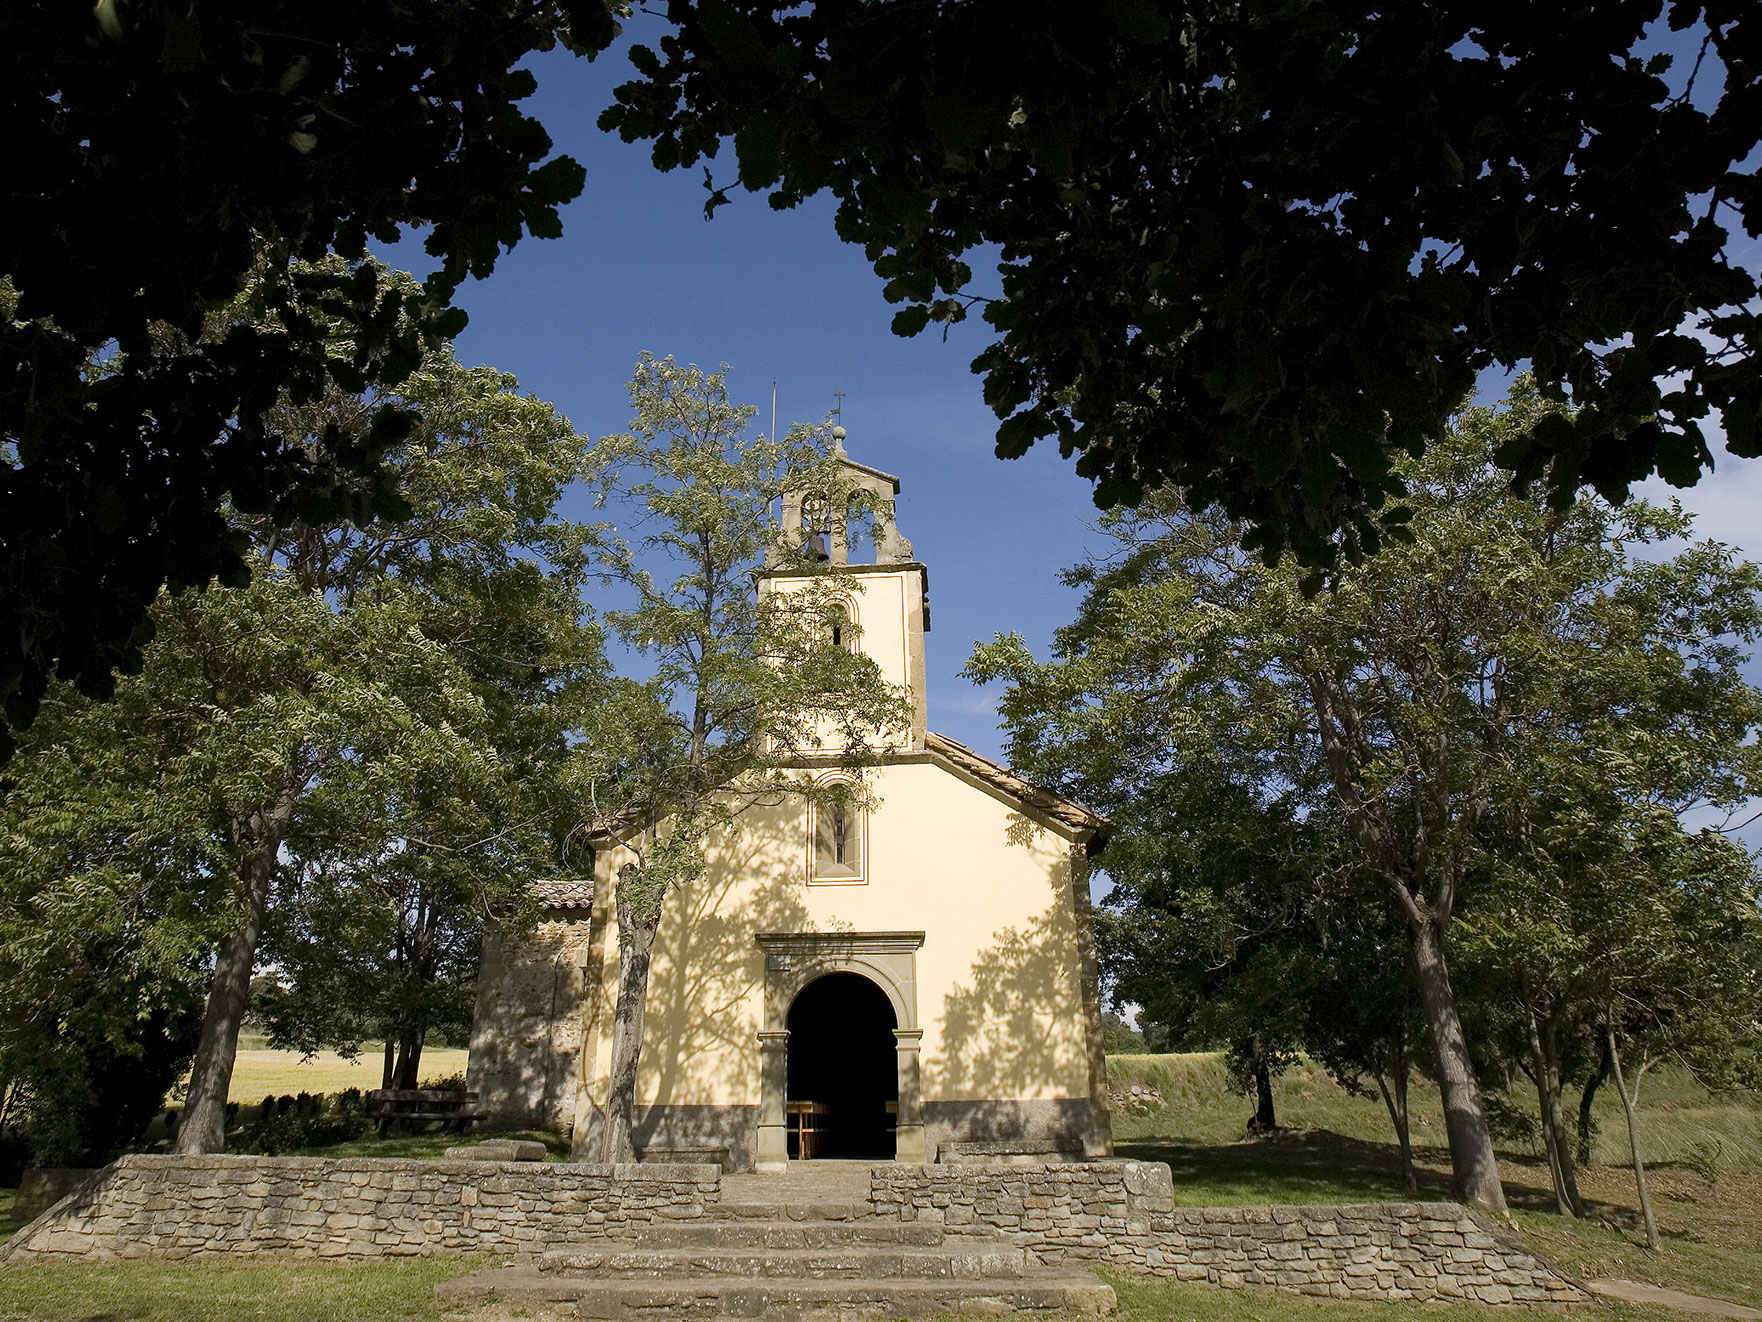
<point x="838" y="628"/>
<point x="840" y="829"/>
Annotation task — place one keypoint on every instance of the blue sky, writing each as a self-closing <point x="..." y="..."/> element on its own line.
<point x="778" y="298"/>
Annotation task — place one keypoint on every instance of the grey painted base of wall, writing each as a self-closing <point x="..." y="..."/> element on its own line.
<point x="681" y="1132"/>
<point x="674" y="1133"/>
<point x="1064" y="1122"/>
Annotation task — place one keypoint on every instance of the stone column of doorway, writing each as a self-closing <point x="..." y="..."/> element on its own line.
<point x="773" y="1150"/>
<point x="909" y="1144"/>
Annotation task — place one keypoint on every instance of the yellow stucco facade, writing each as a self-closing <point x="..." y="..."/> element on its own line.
<point x="964" y="901"/>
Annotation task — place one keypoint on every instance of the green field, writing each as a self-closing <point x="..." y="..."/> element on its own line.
<point x="259" y="1071"/>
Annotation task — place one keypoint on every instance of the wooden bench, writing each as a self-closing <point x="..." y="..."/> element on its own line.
<point x="804" y="1121"/>
<point x="391" y="1105"/>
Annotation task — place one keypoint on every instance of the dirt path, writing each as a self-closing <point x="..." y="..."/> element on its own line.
<point x="1636" y="1292"/>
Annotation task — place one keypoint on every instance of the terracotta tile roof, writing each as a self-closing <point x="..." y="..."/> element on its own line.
<point x="1024" y="791"/>
<point x="576" y="893"/>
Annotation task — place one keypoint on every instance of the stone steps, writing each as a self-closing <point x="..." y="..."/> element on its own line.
<point x="804" y="1246"/>
<point x="776" y="1234"/>
<point x="858" y="1262"/>
<point x="805" y="1210"/>
<point x="702" y="1299"/>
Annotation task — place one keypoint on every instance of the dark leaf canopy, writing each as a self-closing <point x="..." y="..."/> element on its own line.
<point x="160" y="151"/>
<point x="1259" y="249"/>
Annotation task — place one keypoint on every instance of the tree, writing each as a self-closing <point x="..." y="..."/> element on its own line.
<point x="1588" y="862"/>
<point x="379" y="930"/>
<point x="1198" y="927"/>
<point x="101" y="934"/>
<point x="1674" y="968"/>
<point x="379" y="700"/>
<point x="747" y="685"/>
<point x="1234" y="922"/>
<point x="164" y="156"/>
<point x="1119" y="1038"/>
<point x="1259" y="252"/>
<point x="1406" y="699"/>
<point x="1360" y="1013"/>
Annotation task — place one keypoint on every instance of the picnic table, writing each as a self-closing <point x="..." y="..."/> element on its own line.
<point x="452" y="1105"/>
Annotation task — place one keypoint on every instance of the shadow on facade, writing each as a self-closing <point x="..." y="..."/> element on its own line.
<point x="1011" y="1065"/>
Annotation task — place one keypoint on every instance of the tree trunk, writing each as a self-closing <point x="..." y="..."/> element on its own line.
<point x="1265" y="1119"/>
<point x="1545" y="1049"/>
<point x="1473" y="1163"/>
<point x="203" y="1126"/>
<point x="636" y="943"/>
<point x="1392" y="1083"/>
<point x="1587" y="1122"/>
<point x="391" y="1061"/>
<point x="1633" y="1138"/>
<point x="409" y="1058"/>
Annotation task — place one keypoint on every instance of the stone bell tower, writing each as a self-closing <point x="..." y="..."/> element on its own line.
<point x="889" y="600"/>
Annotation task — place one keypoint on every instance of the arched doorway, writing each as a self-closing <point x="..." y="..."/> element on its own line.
<point x="842" y="1070"/>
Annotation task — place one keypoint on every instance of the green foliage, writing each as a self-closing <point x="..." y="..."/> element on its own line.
<point x="1118" y="1037"/>
<point x="745" y="682"/>
<point x="382" y="707"/>
<point x="324" y="1122"/>
<point x="161" y="157"/>
<point x="1501" y="717"/>
<point x="1260" y="251"/>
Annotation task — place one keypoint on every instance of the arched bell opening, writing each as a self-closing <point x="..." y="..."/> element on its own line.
<point x="841" y="1070"/>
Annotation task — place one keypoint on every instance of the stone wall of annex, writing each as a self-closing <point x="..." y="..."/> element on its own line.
<point x="529" y="1021"/>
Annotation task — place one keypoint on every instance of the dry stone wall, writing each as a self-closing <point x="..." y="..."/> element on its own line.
<point x="1123" y="1212"/>
<point x="174" y="1207"/>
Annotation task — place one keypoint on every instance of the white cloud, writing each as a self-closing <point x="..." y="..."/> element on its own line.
<point x="1727" y="503"/>
<point x="967" y="704"/>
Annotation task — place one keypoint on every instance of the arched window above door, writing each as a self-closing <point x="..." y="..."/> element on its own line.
<point x="838" y="831"/>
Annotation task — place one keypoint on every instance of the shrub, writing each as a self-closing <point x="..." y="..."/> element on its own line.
<point x="306" y="1121"/>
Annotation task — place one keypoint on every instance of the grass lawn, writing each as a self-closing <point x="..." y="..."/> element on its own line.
<point x="403" y="1292"/>
<point x="222" y="1291"/>
<point x="1334" y="1147"/>
<point x="1148" y="1299"/>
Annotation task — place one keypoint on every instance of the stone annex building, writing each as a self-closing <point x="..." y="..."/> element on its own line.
<point x="913" y="982"/>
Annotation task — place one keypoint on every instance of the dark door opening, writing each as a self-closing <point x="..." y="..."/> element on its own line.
<point x="843" y="1075"/>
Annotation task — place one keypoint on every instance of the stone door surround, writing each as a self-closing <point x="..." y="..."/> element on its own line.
<point x="792" y="961"/>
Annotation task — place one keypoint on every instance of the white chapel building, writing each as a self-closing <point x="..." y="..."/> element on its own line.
<point x="916" y="982"/>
